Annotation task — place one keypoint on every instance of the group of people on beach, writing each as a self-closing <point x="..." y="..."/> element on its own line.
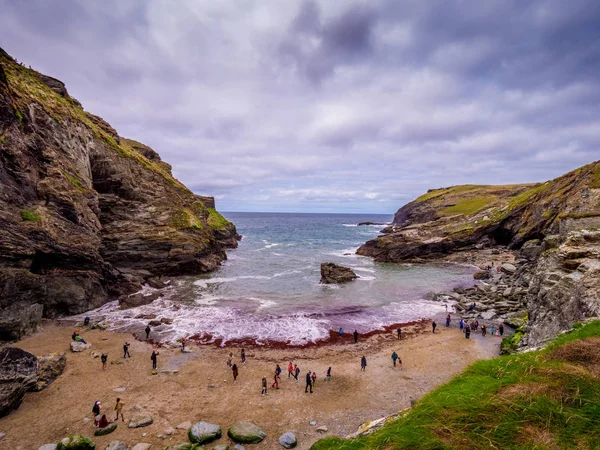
<point x="467" y="327"/>
<point x="100" y="420"/>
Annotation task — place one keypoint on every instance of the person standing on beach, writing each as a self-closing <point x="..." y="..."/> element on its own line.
<point x="275" y="380"/>
<point x="126" y="350"/>
<point x="296" y="372"/>
<point x="400" y="362"/>
<point x="483" y="330"/>
<point x="96" y="412"/>
<point x="341" y="331"/>
<point x="355" y="336"/>
<point x="363" y="363"/>
<point x="313" y="378"/>
<point x="461" y="324"/>
<point x="147" y="331"/>
<point x="399" y="333"/>
<point x="394" y="358"/>
<point x="278" y="371"/>
<point x="290" y="370"/>
<point x="468" y="332"/>
<point x="153" y="358"/>
<point x="234" y="371"/>
<point x="264" y="386"/>
<point x="104" y="359"/>
<point x="119" y="410"/>
<point x="501" y="330"/>
<point x="328" y="376"/>
<point x="183" y="344"/>
<point x="433" y="325"/>
<point x="308" y="383"/>
<point x="448" y="320"/>
<point x="243" y="356"/>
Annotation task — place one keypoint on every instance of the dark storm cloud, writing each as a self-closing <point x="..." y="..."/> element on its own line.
<point x="314" y="105"/>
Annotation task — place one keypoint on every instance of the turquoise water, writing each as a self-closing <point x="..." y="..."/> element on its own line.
<point x="269" y="288"/>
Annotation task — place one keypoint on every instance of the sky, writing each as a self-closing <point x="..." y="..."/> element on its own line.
<point x="330" y="106"/>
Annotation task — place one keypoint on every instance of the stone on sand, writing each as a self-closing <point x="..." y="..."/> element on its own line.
<point x="116" y="445"/>
<point x="78" y="346"/>
<point x="140" y="421"/>
<point x="202" y="432"/>
<point x="76" y="442"/>
<point x="246" y="433"/>
<point x="288" y="440"/>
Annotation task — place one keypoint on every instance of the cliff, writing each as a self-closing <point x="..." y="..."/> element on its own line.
<point x="86" y="215"/>
<point x="472" y="217"/>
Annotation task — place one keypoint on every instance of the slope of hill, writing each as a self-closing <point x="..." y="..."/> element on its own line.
<point x="86" y="215"/>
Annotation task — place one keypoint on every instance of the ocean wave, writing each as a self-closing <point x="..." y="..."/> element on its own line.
<point x="363" y="269"/>
<point x="366" y="278"/>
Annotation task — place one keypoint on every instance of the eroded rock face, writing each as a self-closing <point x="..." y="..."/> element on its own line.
<point x="50" y="367"/>
<point x="18" y="374"/>
<point x="77" y="201"/>
<point x="333" y="273"/>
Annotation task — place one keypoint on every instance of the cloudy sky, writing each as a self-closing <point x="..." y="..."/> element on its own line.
<point x="337" y="106"/>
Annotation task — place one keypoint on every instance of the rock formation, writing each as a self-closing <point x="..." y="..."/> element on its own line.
<point x="333" y="273"/>
<point x="86" y="215"/>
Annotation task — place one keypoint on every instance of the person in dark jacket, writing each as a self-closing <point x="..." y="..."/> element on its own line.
<point x="147" y="331"/>
<point x="153" y="358"/>
<point x="363" y="363"/>
<point x="308" y="382"/>
<point x="433" y="325"/>
<point x="355" y="336"/>
<point x="234" y="370"/>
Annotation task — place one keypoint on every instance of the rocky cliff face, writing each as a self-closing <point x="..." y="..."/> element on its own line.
<point x="86" y="215"/>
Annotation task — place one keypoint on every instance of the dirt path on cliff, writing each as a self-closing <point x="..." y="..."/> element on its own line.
<point x="203" y="389"/>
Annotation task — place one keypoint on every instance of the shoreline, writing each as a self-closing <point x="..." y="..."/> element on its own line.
<point x="198" y="385"/>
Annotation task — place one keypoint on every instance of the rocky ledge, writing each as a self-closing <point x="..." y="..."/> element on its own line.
<point x="334" y="273"/>
<point x="85" y="214"/>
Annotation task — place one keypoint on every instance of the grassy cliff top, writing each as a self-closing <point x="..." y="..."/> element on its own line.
<point x="546" y="399"/>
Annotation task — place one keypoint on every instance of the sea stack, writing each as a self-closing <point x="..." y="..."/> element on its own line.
<point x="333" y="273"/>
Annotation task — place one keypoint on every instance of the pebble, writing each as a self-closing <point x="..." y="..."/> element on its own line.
<point x="86" y="420"/>
<point x="2" y="436"/>
<point x="142" y="446"/>
<point x="321" y="429"/>
<point x="184" y="426"/>
<point x="312" y="422"/>
<point x="144" y="434"/>
<point x="169" y="431"/>
<point x="121" y="389"/>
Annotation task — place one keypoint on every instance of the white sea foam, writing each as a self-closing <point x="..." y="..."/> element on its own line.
<point x="366" y="278"/>
<point x="363" y="269"/>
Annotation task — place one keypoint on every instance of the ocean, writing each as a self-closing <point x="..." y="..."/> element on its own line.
<point x="268" y="290"/>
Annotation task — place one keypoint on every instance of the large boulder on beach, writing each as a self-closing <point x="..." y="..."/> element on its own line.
<point x="186" y="446"/>
<point x="106" y="430"/>
<point x="334" y="273"/>
<point x="51" y="366"/>
<point x="246" y="433"/>
<point x="140" y="421"/>
<point x="482" y="275"/>
<point x="202" y="432"/>
<point x="288" y="440"/>
<point x="78" y="346"/>
<point x="18" y="374"/>
<point x="53" y="447"/>
<point x="116" y="445"/>
<point x="76" y="442"/>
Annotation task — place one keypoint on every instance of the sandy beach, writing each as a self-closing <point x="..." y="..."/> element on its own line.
<point x="203" y="387"/>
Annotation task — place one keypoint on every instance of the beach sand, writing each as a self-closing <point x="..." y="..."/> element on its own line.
<point x="203" y="389"/>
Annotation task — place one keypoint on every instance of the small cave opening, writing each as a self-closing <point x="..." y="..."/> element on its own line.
<point x="502" y="236"/>
<point x="44" y="262"/>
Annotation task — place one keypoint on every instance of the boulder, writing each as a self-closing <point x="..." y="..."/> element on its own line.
<point x="116" y="445"/>
<point x="135" y="300"/>
<point x="78" y="346"/>
<point x="140" y="421"/>
<point x="76" y="442"/>
<point x="184" y="425"/>
<point x="508" y="268"/>
<point x="107" y="430"/>
<point x="51" y="366"/>
<point x="202" y="432"/>
<point x="166" y="320"/>
<point x="482" y="275"/>
<point x="246" y="433"/>
<point x="18" y="374"/>
<point x="51" y="447"/>
<point x="221" y="447"/>
<point x="333" y="273"/>
<point x="288" y="440"/>
<point x="141" y="446"/>
<point x="155" y="283"/>
<point x="186" y="446"/>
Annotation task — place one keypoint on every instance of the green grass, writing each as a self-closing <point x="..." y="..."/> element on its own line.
<point x="595" y="184"/>
<point x="524" y="197"/>
<point x="523" y="401"/>
<point x="216" y="221"/>
<point x="74" y="181"/>
<point x="29" y="216"/>
<point x="579" y="215"/>
<point x="468" y="206"/>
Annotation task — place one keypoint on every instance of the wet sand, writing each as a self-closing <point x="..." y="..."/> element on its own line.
<point x="203" y="389"/>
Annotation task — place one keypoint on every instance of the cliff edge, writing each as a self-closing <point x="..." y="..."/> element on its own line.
<point x="86" y="215"/>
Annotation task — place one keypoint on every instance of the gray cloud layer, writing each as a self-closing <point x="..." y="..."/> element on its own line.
<point x="330" y="106"/>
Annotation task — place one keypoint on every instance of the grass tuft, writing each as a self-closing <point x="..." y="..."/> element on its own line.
<point x="216" y="221"/>
<point x="29" y="216"/>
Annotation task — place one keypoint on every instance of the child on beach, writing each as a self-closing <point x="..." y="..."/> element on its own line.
<point x="328" y="376"/>
<point x="363" y="363"/>
<point x="394" y="358"/>
<point x="313" y="378"/>
<point x="243" y="356"/>
<point x="290" y="370"/>
<point x="234" y="371"/>
<point x="275" y="381"/>
<point x="119" y="410"/>
<point x="264" y="386"/>
<point x="400" y="362"/>
<point x="104" y="359"/>
<point x="296" y="372"/>
<point x="126" y="350"/>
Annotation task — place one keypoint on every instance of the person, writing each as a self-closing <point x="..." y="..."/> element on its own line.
<point x="400" y="362"/>
<point x="234" y="370"/>
<point x="126" y="350"/>
<point x="483" y="330"/>
<point x="399" y="333"/>
<point x="433" y="325"/>
<point x="448" y="320"/>
<point x="86" y="321"/>
<point x="103" y="422"/>
<point x="104" y="359"/>
<point x="296" y="372"/>
<point x="313" y="378"/>
<point x="355" y="336"/>
<point x="328" y="376"/>
<point x="264" y="386"/>
<point x="501" y="329"/>
<point x="75" y="336"/>
<point x="461" y="324"/>
<point x="278" y="371"/>
<point x="230" y="359"/>
<point x="363" y="363"/>
<point x="492" y="329"/>
<point x="290" y="370"/>
<point x="446" y="305"/>
<point x="183" y="344"/>
<point x="308" y="382"/>
<point x="394" y="357"/>
<point x="147" y="331"/>
<point x="468" y="333"/>
<point x="275" y="381"/>
<point x="96" y="412"/>
<point x="341" y="331"/>
<point x="465" y="325"/>
<point x="119" y="410"/>
<point x="243" y="356"/>
<point x="153" y="358"/>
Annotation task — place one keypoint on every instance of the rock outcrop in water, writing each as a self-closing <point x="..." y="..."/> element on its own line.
<point x="86" y="215"/>
<point x="333" y="273"/>
<point x="551" y="227"/>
